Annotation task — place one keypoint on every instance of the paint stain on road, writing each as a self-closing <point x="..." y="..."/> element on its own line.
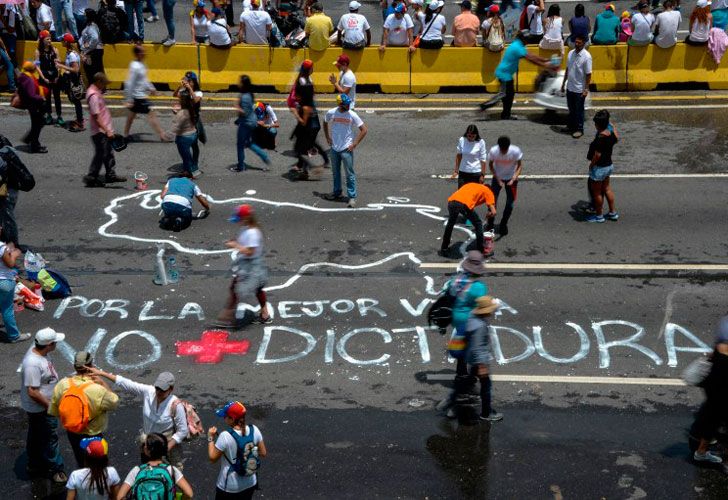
<point x="212" y="347"/>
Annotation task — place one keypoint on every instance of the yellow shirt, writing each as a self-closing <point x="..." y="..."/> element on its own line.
<point x="100" y="399"/>
<point x="319" y="28"/>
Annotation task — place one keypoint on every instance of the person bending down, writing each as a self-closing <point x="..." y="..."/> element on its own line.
<point x="464" y="201"/>
<point x="177" y="198"/>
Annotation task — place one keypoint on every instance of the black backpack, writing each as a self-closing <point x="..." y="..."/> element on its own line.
<point x="109" y="26"/>
<point x="17" y="175"/>
<point x="440" y="311"/>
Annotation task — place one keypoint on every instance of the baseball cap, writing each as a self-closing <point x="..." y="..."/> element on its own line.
<point x="216" y="11"/>
<point x="625" y="14"/>
<point x="164" y="381"/>
<point x="344" y="59"/>
<point x="233" y="409"/>
<point x="343" y="99"/>
<point x="44" y="34"/>
<point x="200" y="3"/>
<point x="610" y="6"/>
<point x="241" y="212"/>
<point x="95" y="446"/>
<point x="400" y="8"/>
<point x="494" y="9"/>
<point x="702" y="4"/>
<point x="259" y="110"/>
<point x="418" y="2"/>
<point x="465" y="4"/>
<point x="307" y="64"/>
<point x="435" y="4"/>
<point x="82" y="358"/>
<point x="354" y="5"/>
<point x="191" y="75"/>
<point x="46" y="336"/>
<point x="67" y="37"/>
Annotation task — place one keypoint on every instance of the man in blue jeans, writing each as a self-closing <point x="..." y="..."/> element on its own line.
<point x="132" y="8"/>
<point x="38" y="378"/>
<point x="61" y="9"/>
<point x="339" y="126"/>
<point x="6" y="62"/>
<point x="177" y="197"/>
<point x="168" y="12"/>
<point x="576" y="81"/>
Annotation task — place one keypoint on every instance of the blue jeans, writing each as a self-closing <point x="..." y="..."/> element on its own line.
<point x="245" y="135"/>
<point x="347" y="157"/>
<point x="168" y="11"/>
<point x="7" y="294"/>
<point x="184" y="146"/>
<point x="599" y="174"/>
<point x="152" y="8"/>
<point x="60" y="9"/>
<point x="575" y="102"/>
<point x="80" y="21"/>
<point x="9" y="69"/>
<point x="133" y="7"/>
<point x="42" y="444"/>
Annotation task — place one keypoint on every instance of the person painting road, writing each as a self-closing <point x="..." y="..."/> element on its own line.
<point x="505" y="72"/>
<point x="177" y="197"/>
<point x="463" y="202"/>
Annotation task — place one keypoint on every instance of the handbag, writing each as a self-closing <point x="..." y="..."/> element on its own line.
<point x="697" y="371"/>
<point x="201" y="134"/>
<point x="76" y="90"/>
<point x="15" y="101"/>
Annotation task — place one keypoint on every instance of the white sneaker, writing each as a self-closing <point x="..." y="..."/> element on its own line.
<point x="151" y="19"/>
<point x="21" y="338"/>
<point x="352" y="203"/>
<point x="196" y="174"/>
<point x="707" y="457"/>
<point x="169" y="42"/>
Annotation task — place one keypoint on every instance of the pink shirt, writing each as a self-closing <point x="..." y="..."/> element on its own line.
<point x="465" y="30"/>
<point x="100" y="114"/>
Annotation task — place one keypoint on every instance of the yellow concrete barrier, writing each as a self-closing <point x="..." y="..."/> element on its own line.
<point x="650" y="66"/>
<point x="221" y="68"/>
<point x="453" y="67"/>
<point x="528" y="72"/>
<point x="609" y="67"/>
<point x="283" y="68"/>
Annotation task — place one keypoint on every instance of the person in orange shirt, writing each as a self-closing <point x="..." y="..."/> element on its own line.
<point x="465" y="27"/>
<point x="464" y="201"/>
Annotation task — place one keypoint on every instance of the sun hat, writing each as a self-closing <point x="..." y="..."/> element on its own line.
<point x="241" y="212"/>
<point x="485" y="305"/>
<point x="95" y="446"/>
<point x="46" y="336"/>
<point x="164" y="381"/>
<point x="473" y="262"/>
<point x="233" y="409"/>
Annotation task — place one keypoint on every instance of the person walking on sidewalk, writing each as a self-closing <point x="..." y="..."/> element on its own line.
<point x="82" y="419"/>
<point x="463" y="202"/>
<point x="102" y="132"/>
<point x="137" y="88"/>
<point x="601" y="167"/>
<point x="247" y="122"/>
<point x="339" y="125"/>
<point x="577" y="80"/>
<point x="250" y="274"/>
<point x="38" y="378"/>
<point x="505" y="71"/>
<point x="505" y="165"/>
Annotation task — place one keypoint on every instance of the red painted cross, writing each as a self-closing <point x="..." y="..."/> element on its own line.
<point x="212" y="347"/>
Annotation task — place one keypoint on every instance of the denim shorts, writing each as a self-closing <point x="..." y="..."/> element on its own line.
<point x="600" y="173"/>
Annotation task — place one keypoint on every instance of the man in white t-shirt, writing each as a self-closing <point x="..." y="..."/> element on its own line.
<point x="44" y="17"/>
<point x="353" y="30"/>
<point x="505" y="164"/>
<point x="666" y="26"/>
<point x="535" y="23"/>
<point x="346" y="84"/>
<point x="255" y="26"/>
<point x="577" y="80"/>
<point x="38" y="378"/>
<point x="339" y="126"/>
<point x="398" y="30"/>
<point x="642" y="23"/>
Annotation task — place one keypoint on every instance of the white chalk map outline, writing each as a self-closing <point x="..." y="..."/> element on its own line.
<point x="151" y="201"/>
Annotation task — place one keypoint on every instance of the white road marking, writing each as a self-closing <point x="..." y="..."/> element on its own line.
<point x="520" y="266"/>
<point x="553" y="379"/>
<point x="715" y="175"/>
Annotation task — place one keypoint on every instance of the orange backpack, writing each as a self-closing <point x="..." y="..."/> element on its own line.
<point x="74" y="408"/>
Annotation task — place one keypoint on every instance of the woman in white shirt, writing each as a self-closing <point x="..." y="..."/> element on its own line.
<point x="200" y="22"/>
<point x="218" y="32"/>
<point x="471" y="158"/>
<point x="553" y="38"/>
<point x="642" y="23"/>
<point x="701" y="20"/>
<point x="96" y="481"/>
<point x="230" y="483"/>
<point x="72" y="80"/>
<point x="435" y="26"/>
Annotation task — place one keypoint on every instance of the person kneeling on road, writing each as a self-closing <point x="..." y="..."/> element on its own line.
<point x="464" y="201"/>
<point x="177" y="198"/>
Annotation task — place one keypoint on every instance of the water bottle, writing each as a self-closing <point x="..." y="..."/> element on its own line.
<point x="172" y="272"/>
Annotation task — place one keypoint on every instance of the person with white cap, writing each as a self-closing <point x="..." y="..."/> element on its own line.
<point x="160" y="412"/>
<point x="701" y="20"/>
<point x="353" y="31"/>
<point x="38" y="378"/>
<point x="398" y="29"/>
<point x="435" y="27"/>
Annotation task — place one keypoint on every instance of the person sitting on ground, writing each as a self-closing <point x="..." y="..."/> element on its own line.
<point x="580" y="24"/>
<point x="435" y="26"/>
<point x="642" y="23"/>
<point x="154" y="450"/>
<point x="200" y="19"/>
<point x="353" y="31"/>
<point x="266" y="131"/>
<point x="465" y="26"/>
<point x="177" y="198"/>
<point x="319" y="28"/>
<point x="96" y="480"/>
<point x="701" y="20"/>
<point x="255" y="26"/>
<point x="398" y="29"/>
<point x="553" y="37"/>
<point x="494" y="31"/>
<point x="218" y="32"/>
<point x="666" y="25"/>
<point x="606" y="27"/>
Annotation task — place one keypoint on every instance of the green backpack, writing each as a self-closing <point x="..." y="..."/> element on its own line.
<point x="154" y="482"/>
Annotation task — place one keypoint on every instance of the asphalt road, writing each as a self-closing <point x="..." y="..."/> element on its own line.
<point x="344" y="381"/>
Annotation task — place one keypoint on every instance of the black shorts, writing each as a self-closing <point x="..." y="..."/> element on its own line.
<point x="141" y="107"/>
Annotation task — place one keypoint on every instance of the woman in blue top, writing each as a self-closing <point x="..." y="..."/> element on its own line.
<point x="579" y="25"/>
<point x="246" y="124"/>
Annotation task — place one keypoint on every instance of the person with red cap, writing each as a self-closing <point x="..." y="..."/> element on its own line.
<point x="494" y="31"/>
<point x="346" y="83"/>
<point x="72" y="81"/>
<point x="96" y="479"/>
<point x="241" y="446"/>
<point x="249" y="272"/>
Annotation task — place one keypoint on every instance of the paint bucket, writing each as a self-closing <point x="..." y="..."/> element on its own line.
<point x="141" y="180"/>
<point x="488" y="244"/>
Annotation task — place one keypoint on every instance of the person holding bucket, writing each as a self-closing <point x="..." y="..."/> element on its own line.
<point x="102" y="135"/>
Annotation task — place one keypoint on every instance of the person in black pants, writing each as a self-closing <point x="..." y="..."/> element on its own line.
<point x="463" y="202"/>
<point x="506" y="164"/>
<point x="31" y="98"/>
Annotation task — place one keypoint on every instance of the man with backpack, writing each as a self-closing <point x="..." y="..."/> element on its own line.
<point x="82" y="402"/>
<point x="15" y="178"/>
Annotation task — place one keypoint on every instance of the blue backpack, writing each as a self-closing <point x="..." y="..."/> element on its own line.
<point x="247" y="460"/>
